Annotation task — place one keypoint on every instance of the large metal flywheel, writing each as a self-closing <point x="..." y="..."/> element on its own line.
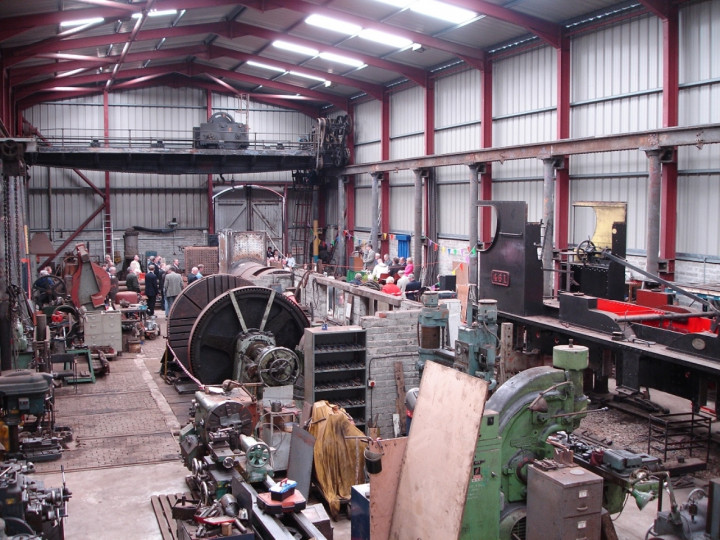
<point x="233" y="318"/>
<point x="190" y="303"/>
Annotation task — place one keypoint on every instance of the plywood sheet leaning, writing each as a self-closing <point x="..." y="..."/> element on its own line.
<point x="384" y="485"/>
<point x="440" y="449"/>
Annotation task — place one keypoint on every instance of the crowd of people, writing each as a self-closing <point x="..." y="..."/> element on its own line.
<point x="397" y="274"/>
<point x="163" y="281"/>
<point x="275" y="258"/>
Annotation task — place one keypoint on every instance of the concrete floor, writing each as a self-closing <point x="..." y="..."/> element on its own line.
<point x="113" y="473"/>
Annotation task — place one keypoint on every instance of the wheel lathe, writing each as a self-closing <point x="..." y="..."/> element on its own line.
<point x="247" y="334"/>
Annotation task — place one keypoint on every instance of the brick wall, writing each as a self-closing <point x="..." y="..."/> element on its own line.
<point x="390" y="339"/>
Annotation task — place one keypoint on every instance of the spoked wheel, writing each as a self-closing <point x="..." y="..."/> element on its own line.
<point x="585" y="250"/>
<point x="215" y="335"/>
<point x="190" y="303"/>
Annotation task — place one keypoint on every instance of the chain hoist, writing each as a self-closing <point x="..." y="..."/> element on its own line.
<point x="6" y="227"/>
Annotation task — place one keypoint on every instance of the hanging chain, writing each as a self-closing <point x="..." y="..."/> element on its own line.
<point x="19" y="233"/>
<point x="6" y="227"/>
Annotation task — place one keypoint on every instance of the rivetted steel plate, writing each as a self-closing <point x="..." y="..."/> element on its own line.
<point x="214" y="336"/>
<point x="188" y="305"/>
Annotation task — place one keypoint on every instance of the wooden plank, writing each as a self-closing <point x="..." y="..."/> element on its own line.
<point x="383" y="487"/>
<point x="433" y="486"/>
<point x="165" y="521"/>
<point x="400" y="401"/>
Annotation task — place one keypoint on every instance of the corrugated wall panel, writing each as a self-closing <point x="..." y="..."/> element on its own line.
<point x="530" y="192"/>
<point x="407" y="112"/>
<point x="363" y="208"/>
<point x="402" y="212"/>
<point x="409" y="146"/>
<point x="631" y="190"/>
<point x="453" y="212"/>
<point x="518" y="130"/>
<point x="620" y="59"/>
<point x="457" y="100"/>
<point x="525" y="82"/>
<point x="698" y="221"/>
<point x="332" y="212"/>
<point x="367" y="153"/>
<point x="367" y="122"/>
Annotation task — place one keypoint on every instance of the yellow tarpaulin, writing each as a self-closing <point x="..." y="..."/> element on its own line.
<point x="339" y="462"/>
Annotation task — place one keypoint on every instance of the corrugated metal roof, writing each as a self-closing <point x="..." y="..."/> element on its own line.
<point x="224" y="36"/>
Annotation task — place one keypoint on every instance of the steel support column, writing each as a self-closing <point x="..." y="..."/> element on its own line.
<point x="417" y="225"/>
<point x="429" y="151"/>
<point x="374" y="209"/>
<point x="549" y="220"/>
<point x="473" y="240"/>
<point x="384" y="242"/>
<point x="342" y="227"/>
<point x="562" y="174"/>
<point x="653" y="210"/>
<point x="379" y="245"/>
<point x="486" y="142"/>
<point x="350" y="210"/>
<point x="668" y="208"/>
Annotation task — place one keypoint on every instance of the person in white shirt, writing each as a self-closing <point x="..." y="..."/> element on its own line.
<point x="380" y="268"/>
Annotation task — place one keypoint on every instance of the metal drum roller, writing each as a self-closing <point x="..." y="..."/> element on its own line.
<point x="190" y="303"/>
<point x="247" y="334"/>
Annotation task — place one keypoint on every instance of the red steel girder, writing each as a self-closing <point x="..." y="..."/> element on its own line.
<point x="17" y="25"/>
<point x="228" y="30"/>
<point x="186" y="68"/>
<point x="661" y="8"/>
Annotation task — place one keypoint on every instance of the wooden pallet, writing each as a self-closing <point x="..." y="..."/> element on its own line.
<point x="162" y="506"/>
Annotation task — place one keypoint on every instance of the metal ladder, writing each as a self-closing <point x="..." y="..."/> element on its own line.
<point x="300" y="226"/>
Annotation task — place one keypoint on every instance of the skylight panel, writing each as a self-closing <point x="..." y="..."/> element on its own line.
<point x="332" y="57"/>
<point x="292" y="47"/>
<point x="307" y="76"/>
<point x="81" y="22"/>
<point x="443" y="11"/>
<point x="336" y="25"/>
<point x="265" y="66"/>
<point x="156" y="13"/>
<point x="385" y="38"/>
<point x="397" y="3"/>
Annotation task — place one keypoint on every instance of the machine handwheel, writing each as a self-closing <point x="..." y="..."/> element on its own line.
<point x="279" y="367"/>
<point x="585" y="250"/>
<point x="258" y="455"/>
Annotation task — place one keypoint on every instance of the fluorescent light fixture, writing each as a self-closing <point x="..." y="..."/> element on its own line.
<point x="385" y="38"/>
<point x="264" y="66"/>
<point x="313" y="77"/>
<point x="295" y="48"/>
<point x="70" y="73"/>
<point x="441" y="10"/>
<point x="332" y="57"/>
<point x="81" y="22"/>
<point x="397" y="3"/>
<point x="336" y="25"/>
<point x="156" y="13"/>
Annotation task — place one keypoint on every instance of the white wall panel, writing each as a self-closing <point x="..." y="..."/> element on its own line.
<point x="367" y="122"/>
<point x="404" y="147"/>
<point x="367" y="153"/>
<point x="458" y="139"/>
<point x="457" y="99"/>
<point x="633" y="191"/>
<point x="402" y="210"/>
<point x="453" y="212"/>
<point x="622" y="115"/>
<point x="525" y="82"/>
<point x="700" y="105"/>
<point x="619" y="59"/>
<point x="530" y="192"/>
<point x="698" y="217"/>
<point x="363" y="207"/>
<point x="700" y="41"/>
<point x="407" y="112"/>
<point x="519" y="130"/>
